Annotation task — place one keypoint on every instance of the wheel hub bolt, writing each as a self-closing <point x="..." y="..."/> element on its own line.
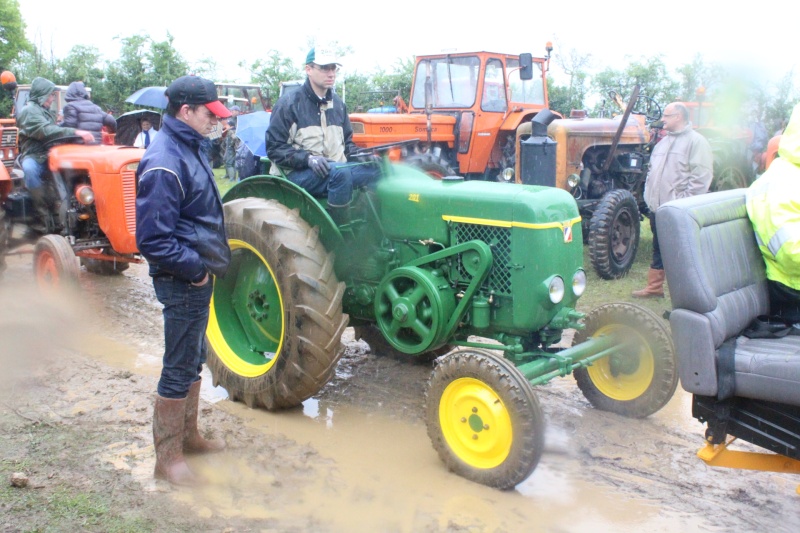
<point x="463" y="420"/>
<point x="474" y="436"/>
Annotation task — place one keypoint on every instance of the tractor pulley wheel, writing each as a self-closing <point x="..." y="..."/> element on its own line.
<point x="412" y="310"/>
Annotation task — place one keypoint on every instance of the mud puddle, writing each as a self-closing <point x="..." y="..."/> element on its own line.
<point x="357" y="457"/>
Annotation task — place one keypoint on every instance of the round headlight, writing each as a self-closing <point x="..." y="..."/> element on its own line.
<point x="508" y="174"/>
<point x="85" y="195"/>
<point x="556" y="289"/>
<point x="578" y="282"/>
<point x="573" y="180"/>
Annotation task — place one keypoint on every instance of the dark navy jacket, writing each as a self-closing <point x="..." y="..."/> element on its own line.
<point x="180" y="228"/>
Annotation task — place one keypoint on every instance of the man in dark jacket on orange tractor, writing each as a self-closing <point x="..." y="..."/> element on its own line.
<point x="180" y="230"/>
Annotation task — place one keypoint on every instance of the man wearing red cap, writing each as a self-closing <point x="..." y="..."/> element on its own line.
<point x="180" y="230"/>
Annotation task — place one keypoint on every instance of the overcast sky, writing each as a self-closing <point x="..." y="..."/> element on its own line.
<point x="755" y="39"/>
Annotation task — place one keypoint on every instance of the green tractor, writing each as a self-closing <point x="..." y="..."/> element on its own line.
<point x="487" y="275"/>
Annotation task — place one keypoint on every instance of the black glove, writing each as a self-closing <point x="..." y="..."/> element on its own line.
<point x="319" y="165"/>
<point x="367" y="157"/>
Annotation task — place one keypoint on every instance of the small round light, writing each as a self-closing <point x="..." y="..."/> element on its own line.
<point x="573" y="180"/>
<point x="556" y="289"/>
<point x="579" y="282"/>
<point x="84" y="194"/>
<point x="508" y="174"/>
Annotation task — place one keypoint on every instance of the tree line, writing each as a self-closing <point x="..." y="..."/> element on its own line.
<point x="145" y="62"/>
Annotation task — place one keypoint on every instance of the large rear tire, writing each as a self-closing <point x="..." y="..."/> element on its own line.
<point x="276" y="316"/>
<point x="635" y="382"/>
<point x="614" y="234"/>
<point x="483" y="418"/>
<point x="54" y="264"/>
<point x="435" y="167"/>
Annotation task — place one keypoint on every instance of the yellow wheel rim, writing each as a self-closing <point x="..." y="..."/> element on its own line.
<point x="228" y="332"/>
<point x="624" y="377"/>
<point x="475" y="423"/>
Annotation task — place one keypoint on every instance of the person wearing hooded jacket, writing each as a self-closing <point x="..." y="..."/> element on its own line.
<point x="773" y="205"/>
<point x="37" y="127"/>
<point x="82" y="113"/>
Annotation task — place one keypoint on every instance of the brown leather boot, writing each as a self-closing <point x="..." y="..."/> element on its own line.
<point x="168" y="424"/>
<point x="193" y="441"/>
<point x="655" y="285"/>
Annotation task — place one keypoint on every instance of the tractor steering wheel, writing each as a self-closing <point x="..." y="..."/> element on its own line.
<point x="69" y="139"/>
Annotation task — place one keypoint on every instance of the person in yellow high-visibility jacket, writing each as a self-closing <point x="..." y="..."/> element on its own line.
<point x="773" y="205"/>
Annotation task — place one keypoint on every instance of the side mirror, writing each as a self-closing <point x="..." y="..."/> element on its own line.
<point x="525" y="66"/>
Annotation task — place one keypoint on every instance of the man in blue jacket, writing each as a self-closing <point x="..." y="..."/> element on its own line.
<point x="180" y="230"/>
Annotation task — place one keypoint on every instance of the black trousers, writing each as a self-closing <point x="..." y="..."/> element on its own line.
<point x="657" y="263"/>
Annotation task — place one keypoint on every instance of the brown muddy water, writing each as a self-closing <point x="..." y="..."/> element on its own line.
<point x="357" y="456"/>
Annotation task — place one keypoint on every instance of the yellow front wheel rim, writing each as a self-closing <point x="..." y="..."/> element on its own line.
<point x="475" y="423"/>
<point x="630" y="376"/>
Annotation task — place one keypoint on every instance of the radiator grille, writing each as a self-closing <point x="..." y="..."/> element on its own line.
<point x="8" y="146"/>
<point x="500" y="241"/>
<point x="129" y="198"/>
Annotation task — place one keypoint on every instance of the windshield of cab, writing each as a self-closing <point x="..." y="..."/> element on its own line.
<point x="453" y="82"/>
<point x="525" y="91"/>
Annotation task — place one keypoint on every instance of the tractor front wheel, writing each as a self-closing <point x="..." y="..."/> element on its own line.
<point x="54" y="263"/>
<point x="641" y="377"/>
<point x="276" y="317"/>
<point x="483" y="418"/>
<point x="614" y="234"/>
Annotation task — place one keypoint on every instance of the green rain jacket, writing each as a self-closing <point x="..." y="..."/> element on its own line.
<point x="773" y="204"/>
<point x="37" y="124"/>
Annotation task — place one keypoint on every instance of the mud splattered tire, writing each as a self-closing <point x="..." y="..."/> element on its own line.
<point x="378" y="345"/>
<point x="276" y="317"/>
<point x="436" y="167"/>
<point x="638" y="381"/>
<point x="614" y="234"/>
<point x="54" y="263"/>
<point x="102" y="267"/>
<point x="483" y="418"/>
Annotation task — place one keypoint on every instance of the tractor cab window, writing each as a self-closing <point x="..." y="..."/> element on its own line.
<point x="525" y="91"/>
<point x="494" y="87"/>
<point x="452" y="82"/>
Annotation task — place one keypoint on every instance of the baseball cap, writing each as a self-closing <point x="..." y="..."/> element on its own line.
<point x="324" y="57"/>
<point x="196" y="90"/>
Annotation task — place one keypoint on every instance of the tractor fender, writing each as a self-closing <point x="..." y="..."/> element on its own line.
<point x="293" y="196"/>
<point x="5" y="183"/>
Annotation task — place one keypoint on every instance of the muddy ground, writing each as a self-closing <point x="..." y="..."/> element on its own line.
<point x="76" y="390"/>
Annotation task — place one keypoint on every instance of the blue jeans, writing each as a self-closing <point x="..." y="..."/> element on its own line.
<point x="339" y="185"/>
<point x="33" y="172"/>
<point x="186" y="309"/>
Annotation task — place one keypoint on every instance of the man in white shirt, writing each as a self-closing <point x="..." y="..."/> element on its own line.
<point x="146" y="136"/>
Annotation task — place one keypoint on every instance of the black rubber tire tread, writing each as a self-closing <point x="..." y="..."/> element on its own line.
<point x="312" y="297"/>
<point x="436" y="167"/>
<point x="378" y="345"/>
<point x="601" y="229"/>
<point x="66" y="262"/>
<point x="518" y="397"/>
<point x="665" y="372"/>
<point x="101" y="267"/>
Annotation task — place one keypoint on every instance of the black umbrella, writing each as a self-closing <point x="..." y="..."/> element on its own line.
<point x="129" y="125"/>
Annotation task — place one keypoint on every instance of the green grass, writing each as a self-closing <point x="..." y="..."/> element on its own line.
<point x="600" y="291"/>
